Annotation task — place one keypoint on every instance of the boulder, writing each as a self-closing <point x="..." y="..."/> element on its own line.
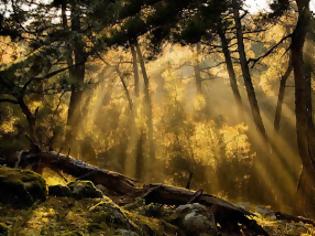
<point x="111" y="214"/>
<point x="21" y="188"/>
<point x="195" y="219"/>
<point x="108" y="217"/>
<point x="84" y="189"/>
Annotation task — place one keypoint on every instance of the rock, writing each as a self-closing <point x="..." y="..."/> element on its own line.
<point x="84" y="189"/>
<point x="59" y="191"/>
<point x="124" y="232"/>
<point x="4" y="230"/>
<point x="21" y="188"/>
<point x="103" y="189"/>
<point x="108" y="212"/>
<point x="195" y="219"/>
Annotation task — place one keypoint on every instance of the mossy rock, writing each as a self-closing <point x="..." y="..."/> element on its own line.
<point x="111" y="214"/>
<point x="84" y="189"/>
<point x="59" y="191"/>
<point x="4" y="230"/>
<point x="21" y="188"/>
<point x="108" y="215"/>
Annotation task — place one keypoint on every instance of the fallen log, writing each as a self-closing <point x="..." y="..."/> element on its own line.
<point x="114" y="181"/>
<point x="226" y="214"/>
<point x="230" y="217"/>
<point x="283" y="216"/>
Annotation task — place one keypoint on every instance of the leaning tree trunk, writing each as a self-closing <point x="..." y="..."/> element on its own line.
<point x="126" y="90"/>
<point x="281" y="93"/>
<point x="31" y="120"/>
<point x="148" y="102"/>
<point x="230" y="68"/>
<point x="303" y="107"/>
<point x="246" y="73"/>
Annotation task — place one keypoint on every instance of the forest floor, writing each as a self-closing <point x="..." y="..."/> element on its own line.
<point x="66" y="216"/>
<point x="76" y="207"/>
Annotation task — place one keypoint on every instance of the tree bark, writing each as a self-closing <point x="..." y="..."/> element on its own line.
<point x="281" y="94"/>
<point x="246" y="73"/>
<point x="197" y="70"/>
<point x="76" y="74"/>
<point x="148" y="102"/>
<point x="122" y="80"/>
<point x="139" y="163"/>
<point x="229" y="67"/>
<point x="303" y="107"/>
<point x="135" y="69"/>
<point x="31" y="119"/>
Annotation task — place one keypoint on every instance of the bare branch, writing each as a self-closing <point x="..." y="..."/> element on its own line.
<point x="271" y="50"/>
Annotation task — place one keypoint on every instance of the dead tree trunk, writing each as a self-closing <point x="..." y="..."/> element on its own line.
<point x="59" y="162"/>
<point x="246" y="73"/>
<point x="226" y="214"/>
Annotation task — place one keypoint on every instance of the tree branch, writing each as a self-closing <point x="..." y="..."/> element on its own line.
<point x="8" y="100"/>
<point x="271" y="50"/>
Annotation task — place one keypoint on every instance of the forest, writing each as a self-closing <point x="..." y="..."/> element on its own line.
<point x="157" y="117"/>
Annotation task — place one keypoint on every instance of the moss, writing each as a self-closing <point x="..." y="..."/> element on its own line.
<point x="73" y="233"/>
<point x="108" y="212"/>
<point x="84" y="189"/>
<point x="107" y="215"/>
<point x="66" y="216"/>
<point x="21" y="188"/>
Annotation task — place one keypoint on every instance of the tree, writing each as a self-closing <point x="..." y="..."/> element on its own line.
<point x="25" y="78"/>
<point x="281" y="94"/>
<point x="229" y="66"/>
<point x="77" y="73"/>
<point x="147" y="101"/>
<point x="246" y="72"/>
<point x="303" y="104"/>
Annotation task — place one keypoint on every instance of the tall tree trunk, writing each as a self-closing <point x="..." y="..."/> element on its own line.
<point x="303" y="107"/>
<point x="132" y="132"/>
<point x="148" y="102"/>
<point x="122" y="80"/>
<point x="135" y="69"/>
<point x="139" y="164"/>
<point x="246" y="72"/>
<point x="31" y="120"/>
<point x="137" y="134"/>
<point x="281" y="93"/>
<point x="229" y="67"/>
<point x="76" y="74"/>
<point x="197" y="70"/>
